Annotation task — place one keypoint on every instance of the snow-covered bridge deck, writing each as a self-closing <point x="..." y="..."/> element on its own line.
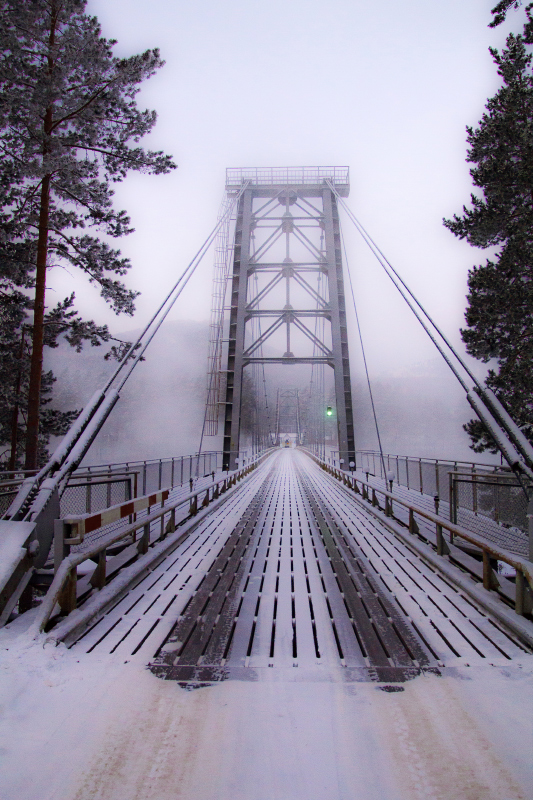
<point x="328" y="660"/>
<point x="295" y="573"/>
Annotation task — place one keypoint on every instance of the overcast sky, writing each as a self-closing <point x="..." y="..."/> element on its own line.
<point x="386" y="88"/>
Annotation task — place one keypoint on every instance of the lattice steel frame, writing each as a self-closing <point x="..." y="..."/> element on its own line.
<point x="287" y="186"/>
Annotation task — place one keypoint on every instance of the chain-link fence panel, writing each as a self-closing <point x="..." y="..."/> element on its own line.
<point x="6" y="498"/>
<point x="500" y="500"/>
<point x="478" y="502"/>
<point x="93" y="496"/>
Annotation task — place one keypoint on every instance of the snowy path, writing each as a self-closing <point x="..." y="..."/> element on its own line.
<point x="316" y="640"/>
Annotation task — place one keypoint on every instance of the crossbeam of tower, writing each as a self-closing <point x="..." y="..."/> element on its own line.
<point x="287" y="235"/>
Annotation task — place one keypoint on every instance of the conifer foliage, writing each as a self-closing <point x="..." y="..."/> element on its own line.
<point x="499" y="315"/>
<point x="69" y="129"/>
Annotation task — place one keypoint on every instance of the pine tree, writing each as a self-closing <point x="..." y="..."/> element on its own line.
<point x="499" y="315"/>
<point x="69" y="129"/>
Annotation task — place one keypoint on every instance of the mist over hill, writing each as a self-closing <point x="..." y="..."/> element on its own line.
<point x="420" y="410"/>
<point x="161" y="407"/>
<point x="160" y="411"/>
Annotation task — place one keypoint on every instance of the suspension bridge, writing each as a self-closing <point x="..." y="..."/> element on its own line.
<point x="290" y="616"/>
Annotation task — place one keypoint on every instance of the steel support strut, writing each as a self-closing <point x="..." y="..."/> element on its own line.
<point x="308" y="208"/>
<point x="339" y="333"/>
<point x="241" y="257"/>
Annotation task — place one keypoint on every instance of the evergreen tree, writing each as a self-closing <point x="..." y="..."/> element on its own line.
<point x="499" y="315"/>
<point x="69" y="129"/>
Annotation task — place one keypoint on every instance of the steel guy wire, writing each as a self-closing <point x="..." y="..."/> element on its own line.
<point x="364" y="355"/>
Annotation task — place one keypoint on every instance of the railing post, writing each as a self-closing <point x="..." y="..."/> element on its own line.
<point x="61" y="550"/>
<point x="413" y="526"/>
<point x="99" y="575"/>
<point x="144" y="541"/>
<point x="67" y="595"/>
<point x="442" y="547"/>
<point x="520" y="586"/>
<point x="171" y="524"/>
<point x="193" y="507"/>
<point x="451" y="498"/>
<point x="490" y="581"/>
<point x="205" y="501"/>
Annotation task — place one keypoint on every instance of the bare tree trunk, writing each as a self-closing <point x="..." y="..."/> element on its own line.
<point x="15" y="414"/>
<point x="36" y="371"/>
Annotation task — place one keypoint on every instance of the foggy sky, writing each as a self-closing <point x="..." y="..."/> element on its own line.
<point x="386" y="88"/>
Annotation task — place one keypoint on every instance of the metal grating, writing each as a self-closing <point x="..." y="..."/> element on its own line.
<point x="288" y="176"/>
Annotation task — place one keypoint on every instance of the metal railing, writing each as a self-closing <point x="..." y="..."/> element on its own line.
<point x="150" y="475"/>
<point x="283" y="176"/>
<point x="63" y="590"/>
<point x="155" y="473"/>
<point x="424" y="475"/>
<point x="496" y="496"/>
<point x="524" y="569"/>
<point x="87" y="492"/>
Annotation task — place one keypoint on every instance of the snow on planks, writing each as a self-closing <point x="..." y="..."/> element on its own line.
<point x="294" y="579"/>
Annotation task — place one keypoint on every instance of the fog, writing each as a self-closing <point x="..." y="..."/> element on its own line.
<point x="161" y="408"/>
<point x="384" y="88"/>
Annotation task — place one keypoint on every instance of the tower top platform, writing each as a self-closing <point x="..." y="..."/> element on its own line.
<point x="267" y="180"/>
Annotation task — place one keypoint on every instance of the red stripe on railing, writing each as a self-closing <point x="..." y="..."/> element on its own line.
<point x="93" y="523"/>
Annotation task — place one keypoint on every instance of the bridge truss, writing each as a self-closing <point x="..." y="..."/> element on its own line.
<point x="287" y="301"/>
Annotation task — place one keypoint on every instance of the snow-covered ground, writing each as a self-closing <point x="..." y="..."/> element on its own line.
<point x="78" y="725"/>
<point x="96" y="728"/>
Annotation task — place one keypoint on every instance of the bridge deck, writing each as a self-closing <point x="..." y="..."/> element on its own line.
<point x="307" y="578"/>
<point x="327" y="661"/>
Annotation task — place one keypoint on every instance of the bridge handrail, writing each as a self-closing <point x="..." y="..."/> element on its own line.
<point x="64" y="584"/>
<point x="524" y="568"/>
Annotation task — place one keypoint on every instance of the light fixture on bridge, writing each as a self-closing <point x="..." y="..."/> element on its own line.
<point x="329" y="411"/>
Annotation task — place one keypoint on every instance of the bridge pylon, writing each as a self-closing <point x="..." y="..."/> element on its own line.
<point x="287" y="287"/>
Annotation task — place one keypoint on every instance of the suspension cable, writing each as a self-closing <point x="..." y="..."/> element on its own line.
<point x="172" y="296"/>
<point x="385" y="263"/>
<point x="516" y="449"/>
<point x="364" y="354"/>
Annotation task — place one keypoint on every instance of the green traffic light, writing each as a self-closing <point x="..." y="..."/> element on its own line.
<point x="329" y="411"/>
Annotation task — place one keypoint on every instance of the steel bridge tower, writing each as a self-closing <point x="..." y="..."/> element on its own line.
<point x="287" y="288"/>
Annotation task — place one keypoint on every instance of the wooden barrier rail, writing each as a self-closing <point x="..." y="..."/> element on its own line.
<point x="524" y="569"/>
<point x="63" y="590"/>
